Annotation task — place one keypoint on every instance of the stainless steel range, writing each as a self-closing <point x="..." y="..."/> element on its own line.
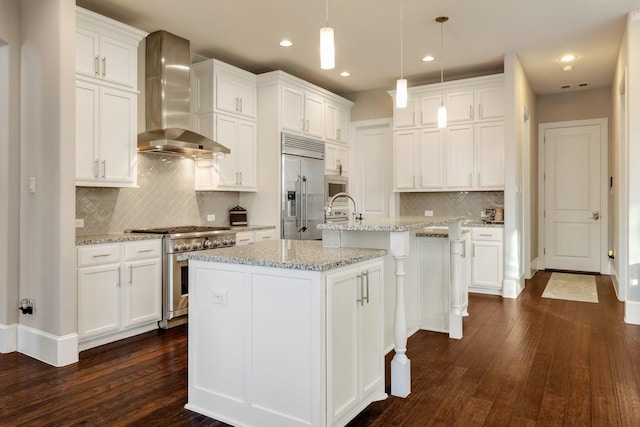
<point x="178" y="241"/>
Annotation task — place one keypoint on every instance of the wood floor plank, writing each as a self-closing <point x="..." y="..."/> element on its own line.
<point x="529" y="361"/>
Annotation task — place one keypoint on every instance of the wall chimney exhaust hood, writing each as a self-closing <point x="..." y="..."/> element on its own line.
<point x="167" y="101"/>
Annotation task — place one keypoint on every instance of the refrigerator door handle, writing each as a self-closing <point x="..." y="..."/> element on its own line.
<point x="298" y="202"/>
<point x="306" y="204"/>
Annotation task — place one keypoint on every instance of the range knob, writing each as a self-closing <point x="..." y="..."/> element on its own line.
<point x="217" y="243"/>
<point x="197" y="244"/>
<point x="226" y="242"/>
<point x="232" y="241"/>
<point x="178" y="247"/>
<point x="208" y="244"/>
<point x="186" y="246"/>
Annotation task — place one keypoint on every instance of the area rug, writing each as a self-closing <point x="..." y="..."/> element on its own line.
<point x="572" y="287"/>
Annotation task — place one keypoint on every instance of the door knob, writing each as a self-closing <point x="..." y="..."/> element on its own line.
<point x="596" y="215"/>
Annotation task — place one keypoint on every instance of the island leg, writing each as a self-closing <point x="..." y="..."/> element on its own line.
<point x="400" y="364"/>
<point x="456" y="309"/>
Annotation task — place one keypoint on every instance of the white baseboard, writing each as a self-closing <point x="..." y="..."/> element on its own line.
<point x="46" y="347"/>
<point x="632" y="312"/>
<point x="8" y="338"/>
<point x="512" y="288"/>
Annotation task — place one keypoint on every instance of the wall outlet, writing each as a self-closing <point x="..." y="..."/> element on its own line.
<point x="79" y="223"/>
<point x="211" y="218"/>
<point x="428" y="213"/>
<point x="220" y="296"/>
<point x="27" y="306"/>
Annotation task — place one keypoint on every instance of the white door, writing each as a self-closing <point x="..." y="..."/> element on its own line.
<point x="572" y="198"/>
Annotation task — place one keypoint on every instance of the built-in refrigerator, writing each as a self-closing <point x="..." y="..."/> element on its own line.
<point x="302" y="187"/>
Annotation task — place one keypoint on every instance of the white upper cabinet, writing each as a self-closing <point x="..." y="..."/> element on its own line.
<point x="224" y="104"/>
<point x="106" y="101"/>
<point x="106" y="50"/>
<point x="302" y="112"/>
<point x="336" y="159"/>
<point x="466" y="155"/>
<point x="336" y="122"/>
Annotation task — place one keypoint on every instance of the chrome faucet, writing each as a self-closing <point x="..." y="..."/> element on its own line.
<point x="356" y="211"/>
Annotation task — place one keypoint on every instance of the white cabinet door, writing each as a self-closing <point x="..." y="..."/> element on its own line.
<point x="118" y="126"/>
<point x="354" y="341"/>
<point x="236" y="170"/>
<point x="232" y="96"/>
<point x="99" y="300"/>
<point x="314" y="116"/>
<point x="87" y="52"/>
<point x="292" y="110"/>
<point x="404" y="154"/>
<point x="118" y="62"/>
<point x="460" y="106"/>
<point x="244" y="238"/>
<point x="490" y="103"/>
<point x="431" y="159"/>
<point x="429" y="109"/>
<point x="336" y="159"/>
<point x="459" y="157"/>
<point x="336" y="123"/>
<point x="262" y="235"/>
<point x="87" y="128"/>
<point x="406" y="117"/>
<point x="105" y="136"/>
<point x="486" y="268"/>
<point x="342" y="132"/>
<point x="143" y="291"/>
<point x="490" y="155"/>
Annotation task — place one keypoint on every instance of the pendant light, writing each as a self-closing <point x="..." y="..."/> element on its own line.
<point x="442" y="111"/>
<point x="327" y="46"/>
<point x="401" y="84"/>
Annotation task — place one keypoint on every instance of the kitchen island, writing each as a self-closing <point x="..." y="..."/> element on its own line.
<point x="286" y="333"/>
<point x="402" y="278"/>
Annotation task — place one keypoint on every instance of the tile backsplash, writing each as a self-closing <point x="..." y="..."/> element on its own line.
<point x="166" y="197"/>
<point x="468" y="203"/>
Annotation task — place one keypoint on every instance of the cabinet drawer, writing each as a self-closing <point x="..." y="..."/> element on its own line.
<point x="99" y="254"/>
<point x="261" y="235"/>
<point x="143" y="249"/>
<point x="486" y="233"/>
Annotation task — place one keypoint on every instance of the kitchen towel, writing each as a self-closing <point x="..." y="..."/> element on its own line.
<point x="572" y="287"/>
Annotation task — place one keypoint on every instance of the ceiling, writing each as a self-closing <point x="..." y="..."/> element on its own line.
<point x="245" y="33"/>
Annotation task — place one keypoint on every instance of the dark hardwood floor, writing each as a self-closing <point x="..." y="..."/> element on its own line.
<point x="526" y="362"/>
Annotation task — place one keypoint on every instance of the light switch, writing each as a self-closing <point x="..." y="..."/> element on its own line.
<point x="32" y="185"/>
<point x="219" y="296"/>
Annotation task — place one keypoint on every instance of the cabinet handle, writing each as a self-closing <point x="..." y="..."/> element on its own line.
<point x="307" y="129"/>
<point x="104" y="66"/>
<point x="471" y="111"/>
<point x="145" y="250"/>
<point x="104" y="169"/>
<point x="361" y="299"/>
<point x="365" y="276"/>
<point x="463" y="253"/>
<point x="96" y="66"/>
<point x="119" y="272"/>
<point x="100" y="255"/>
<point x="485" y="235"/>
<point x="131" y="275"/>
<point x="413" y="117"/>
<point x="95" y="168"/>
<point x="480" y="111"/>
<point x="240" y="180"/>
<point x="241" y="105"/>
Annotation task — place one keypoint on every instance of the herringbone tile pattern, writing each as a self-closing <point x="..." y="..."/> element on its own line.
<point x="468" y="203"/>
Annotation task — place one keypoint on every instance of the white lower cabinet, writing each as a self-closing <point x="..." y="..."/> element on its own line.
<point x="487" y="263"/>
<point x="119" y="290"/>
<point x="249" y="237"/>
<point x="354" y="323"/>
<point x="298" y="347"/>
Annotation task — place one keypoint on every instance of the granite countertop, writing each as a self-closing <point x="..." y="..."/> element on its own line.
<point x="293" y="254"/>
<point x="95" y="239"/>
<point x="402" y="223"/>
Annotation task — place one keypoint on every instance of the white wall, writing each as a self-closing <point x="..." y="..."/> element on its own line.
<point x="9" y="170"/>
<point x="47" y="152"/>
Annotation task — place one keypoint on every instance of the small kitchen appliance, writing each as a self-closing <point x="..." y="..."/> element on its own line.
<point x="176" y="242"/>
<point x="238" y="216"/>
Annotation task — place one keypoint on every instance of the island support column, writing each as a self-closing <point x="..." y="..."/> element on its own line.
<point x="456" y="310"/>
<point x="400" y="364"/>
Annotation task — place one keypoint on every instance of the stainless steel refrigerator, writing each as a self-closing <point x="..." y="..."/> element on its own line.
<point x="302" y="187"/>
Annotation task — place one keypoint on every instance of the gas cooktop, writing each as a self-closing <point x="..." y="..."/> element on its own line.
<point x="180" y="229"/>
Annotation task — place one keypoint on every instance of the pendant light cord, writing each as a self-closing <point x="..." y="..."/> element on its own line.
<point x="401" y="40"/>
<point x="441" y="55"/>
<point x="327" y="12"/>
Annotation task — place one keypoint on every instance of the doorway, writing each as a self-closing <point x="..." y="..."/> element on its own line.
<point x="573" y="202"/>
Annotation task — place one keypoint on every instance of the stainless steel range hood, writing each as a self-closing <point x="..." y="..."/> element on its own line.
<point x="167" y="101"/>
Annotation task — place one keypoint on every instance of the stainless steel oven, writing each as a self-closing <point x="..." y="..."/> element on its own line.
<point x="177" y="242"/>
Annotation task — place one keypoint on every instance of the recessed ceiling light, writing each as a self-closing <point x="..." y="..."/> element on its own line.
<point x="568" y="58"/>
<point x="345" y="74"/>
<point x="286" y="43"/>
<point x="567" y="68"/>
<point x="428" y="58"/>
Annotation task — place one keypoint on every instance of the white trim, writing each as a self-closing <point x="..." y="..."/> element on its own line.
<point x="512" y="288"/>
<point x="52" y="349"/>
<point x="632" y="312"/>
<point x="87" y="343"/>
<point x="8" y="338"/>
<point x="604" y="185"/>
